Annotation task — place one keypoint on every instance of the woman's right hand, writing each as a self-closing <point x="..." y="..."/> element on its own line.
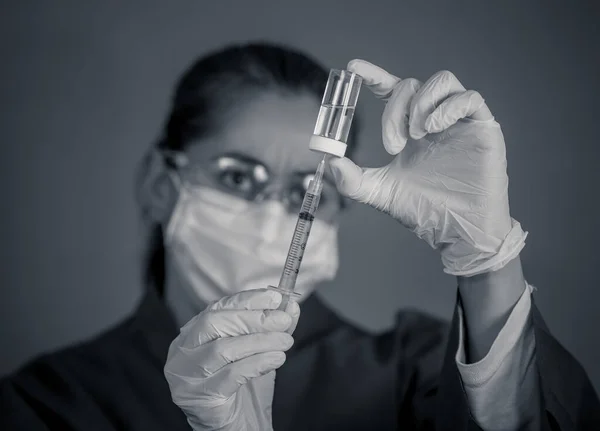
<point x="221" y="367"/>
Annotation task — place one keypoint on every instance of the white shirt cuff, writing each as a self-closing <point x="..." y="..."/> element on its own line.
<point x="499" y="385"/>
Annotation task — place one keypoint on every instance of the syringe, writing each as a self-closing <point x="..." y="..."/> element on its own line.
<point x="287" y="283"/>
<point x="329" y="138"/>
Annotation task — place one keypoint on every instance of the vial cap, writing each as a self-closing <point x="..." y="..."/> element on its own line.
<point x="327" y="145"/>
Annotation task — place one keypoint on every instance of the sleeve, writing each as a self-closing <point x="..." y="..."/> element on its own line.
<point x="436" y="397"/>
<point x="564" y="398"/>
<point x="18" y="412"/>
<point x="502" y="388"/>
<point x="44" y="395"/>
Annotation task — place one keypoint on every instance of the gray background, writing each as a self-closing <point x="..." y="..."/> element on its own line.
<point x="84" y="88"/>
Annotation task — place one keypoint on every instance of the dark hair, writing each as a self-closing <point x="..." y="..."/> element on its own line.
<point x="205" y="92"/>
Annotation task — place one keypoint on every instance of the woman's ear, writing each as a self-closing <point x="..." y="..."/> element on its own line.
<point x="156" y="192"/>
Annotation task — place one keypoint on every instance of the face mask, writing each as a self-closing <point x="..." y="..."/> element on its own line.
<point x="223" y="244"/>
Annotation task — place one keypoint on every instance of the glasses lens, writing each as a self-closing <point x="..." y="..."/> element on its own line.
<point x="329" y="203"/>
<point x="252" y="182"/>
<point x="229" y="175"/>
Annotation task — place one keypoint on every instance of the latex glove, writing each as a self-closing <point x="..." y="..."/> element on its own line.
<point x="448" y="181"/>
<point x="221" y="367"/>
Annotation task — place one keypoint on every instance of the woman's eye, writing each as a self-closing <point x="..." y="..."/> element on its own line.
<point x="237" y="180"/>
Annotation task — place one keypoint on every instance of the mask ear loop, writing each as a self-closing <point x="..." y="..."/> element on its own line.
<point x="177" y="181"/>
<point x="174" y="160"/>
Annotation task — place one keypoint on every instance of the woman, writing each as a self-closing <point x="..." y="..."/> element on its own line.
<point x="221" y="191"/>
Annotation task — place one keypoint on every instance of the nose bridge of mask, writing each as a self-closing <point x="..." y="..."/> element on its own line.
<point x="270" y="219"/>
<point x="217" y="199"/>
<point x="203" y="205"/>
<point x="272" y="191"/>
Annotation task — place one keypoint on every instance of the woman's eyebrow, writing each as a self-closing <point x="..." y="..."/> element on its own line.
<point x="239" y="157"/>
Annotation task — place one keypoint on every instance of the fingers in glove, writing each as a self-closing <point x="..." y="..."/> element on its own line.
<point x="210" y="325"/>
<point x="429" y="97"/>
<point x="293" y="309"/>
<point x="255" y="299"/>
<point x="347" y="175"/>
<point x="461" y="105"/>
<point x="379" y="81"/>
<point x="394" y="122"/>
<point x="233" y="376"/>
<point x="213" y="356"/>
<point x="354" y="182"/>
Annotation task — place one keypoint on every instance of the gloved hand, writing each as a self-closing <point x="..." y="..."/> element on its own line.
<point x="448" y="181"/>
<point x="221" y="367"/>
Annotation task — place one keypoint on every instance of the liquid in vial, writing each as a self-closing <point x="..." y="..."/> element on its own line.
<point x="334" y="121"/>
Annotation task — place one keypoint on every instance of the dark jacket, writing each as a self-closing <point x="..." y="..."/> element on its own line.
<point x="336" y="377"/>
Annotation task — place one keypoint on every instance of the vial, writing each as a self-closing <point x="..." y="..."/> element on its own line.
<point x="336" y="113"/>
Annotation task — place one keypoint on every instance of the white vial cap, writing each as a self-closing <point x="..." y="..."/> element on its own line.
<point x="327" y="145"/>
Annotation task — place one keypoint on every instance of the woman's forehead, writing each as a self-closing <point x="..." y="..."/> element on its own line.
<point x="271" y="129"/>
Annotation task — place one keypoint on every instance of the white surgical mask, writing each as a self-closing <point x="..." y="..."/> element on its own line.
<point x="223" y="244"/>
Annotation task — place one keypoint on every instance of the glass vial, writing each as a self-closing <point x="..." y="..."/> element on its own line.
<point x="337" y="111"/>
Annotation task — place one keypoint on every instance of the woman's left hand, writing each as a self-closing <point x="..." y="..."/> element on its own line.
<point x="448" y="180"/>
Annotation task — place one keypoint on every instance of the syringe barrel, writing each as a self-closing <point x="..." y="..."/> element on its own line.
<point x="299" y="242"/>
<point x="336" y="113"/>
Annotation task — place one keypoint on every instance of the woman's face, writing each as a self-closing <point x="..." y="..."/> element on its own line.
<point x="262" y="152"/>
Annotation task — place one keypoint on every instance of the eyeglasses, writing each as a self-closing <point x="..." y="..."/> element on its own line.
<point x="252" y="181"/>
